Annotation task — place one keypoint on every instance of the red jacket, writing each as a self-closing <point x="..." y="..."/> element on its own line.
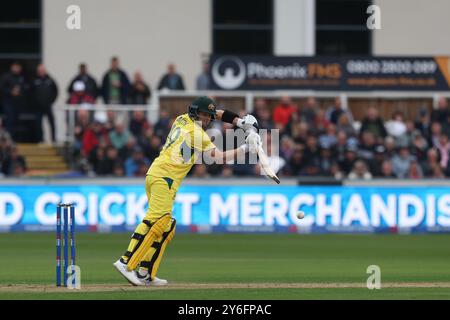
<point x="91" y="139"/>
<point x="79" y="99"/>
<point x="282" y="114"/>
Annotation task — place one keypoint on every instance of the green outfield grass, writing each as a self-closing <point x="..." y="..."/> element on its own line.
<point x="29" y="262"/>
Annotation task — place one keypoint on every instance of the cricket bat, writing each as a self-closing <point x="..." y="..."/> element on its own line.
<point x="264" y="162"/>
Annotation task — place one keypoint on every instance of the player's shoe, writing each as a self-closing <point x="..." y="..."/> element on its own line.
<point x="130" y="276"/>
<point x="147" y="281"/>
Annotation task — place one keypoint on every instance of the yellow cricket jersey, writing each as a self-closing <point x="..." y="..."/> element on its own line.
<point x="186" y="140"/>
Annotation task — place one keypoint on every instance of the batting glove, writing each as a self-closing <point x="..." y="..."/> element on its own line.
<point x="248" y="123"/>
<point x="253" y="141"/>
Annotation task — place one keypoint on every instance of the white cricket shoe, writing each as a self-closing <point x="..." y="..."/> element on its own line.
<point x="130" y="276"/>
<point x="147" y="281"/>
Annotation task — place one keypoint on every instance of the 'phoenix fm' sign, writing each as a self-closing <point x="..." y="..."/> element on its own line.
<point x="266" y="72"/>
<point x="329" y="73"/>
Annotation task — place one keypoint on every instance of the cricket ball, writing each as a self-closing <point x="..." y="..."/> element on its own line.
<point x="300" y="214"/>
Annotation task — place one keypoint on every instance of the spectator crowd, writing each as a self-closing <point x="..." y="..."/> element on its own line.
<point x="26" y="100"/>
<point x="317" y="142"/>
<point x="314" y="141"/>
<point x="30" y="99"/>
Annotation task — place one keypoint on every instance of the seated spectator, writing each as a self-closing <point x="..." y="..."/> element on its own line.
<point x="341" y="146"/>
<point x="97" y="157"/>
<point x="138" y="123"/>
<point x="127" y="151"/>
<point x="415" y="171"/>
<point x="435" y="133"/>
<point x="242" y="165"/>
<point x="359" y="171"/>
<point x="203" y="82"/>
<point x="389" y="144"/>
<point x="367" y="146"/>
<point x="108" y="165"/>
<point x="259" y="104"/>
<point x="171" y="80"/>
<point x="119" y="136"/>
<point x="151" y="144"/>
<point x="262" y="113"/>
<point x="282" y="112"/>
<point x="81" y="124"/>
<point x="409" y="135"/>
<point x="433" y="159"/>
<point x="139" y="91"/>
<point x="350" y="158"/>
<point x="111" y="119"/>
<point x="79" y="94"/>
<point x="215" y="169"/>
<point x="345" y="124"/>
<point x="326" y="160"/>
<point x="375" y="165"/>
<point x="401" y="162"/>
<point x="227" y="171"/>
<point x="329" y="138"/>
<point x="419" y="147"/>
<point x="115" y="84"/>
<point x="423" y="123"/>
<point x="142" y="169"/>
<point x="265" y="119"/>
<point x="92" y="136"/>
<point x="336" y="171"/>
<point x="443" y="146"/>
<point x="437" y="173"/>
<point x="155" y="148"/>
<point x="13" y="89"/>
<point x="119" y="171"/>
<point x="162" y="126"/>
<point x="14" y="164"/>
<point x="335" y="112"/>
<point x="83" y="168"/>
<point x="386" y="170"/>
<point x="440" y="114"/>
<point x="312" y="156"/>
<point x="19" y="170"/>
<point x="296" y="163"/>
<point x="308" y="113"/>
<point x="373" y="123"/>
<point x="396" y="127"/>
<point x="244" y="168"/>
<point x="133" y="163"/>
<point x="89" y="82"/>
<point x="44" y="93"/>
<point x="199" y="171"/>
<point x="300" y="132"/>
<point x="286" y="147"/>
<point x="320" y="122"/>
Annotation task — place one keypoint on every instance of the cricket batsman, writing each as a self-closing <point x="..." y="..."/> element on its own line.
<point x="186" y="141"/>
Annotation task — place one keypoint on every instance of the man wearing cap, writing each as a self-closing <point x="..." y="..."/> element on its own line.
<point x="186" y="141"/>
<point x="87" y="79"/>
<point x="79" y="94"/>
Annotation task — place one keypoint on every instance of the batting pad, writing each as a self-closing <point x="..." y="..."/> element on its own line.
<point x="154" y="234"/>
<point x="153" y="257"/>
<point x="136" y="239"/>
